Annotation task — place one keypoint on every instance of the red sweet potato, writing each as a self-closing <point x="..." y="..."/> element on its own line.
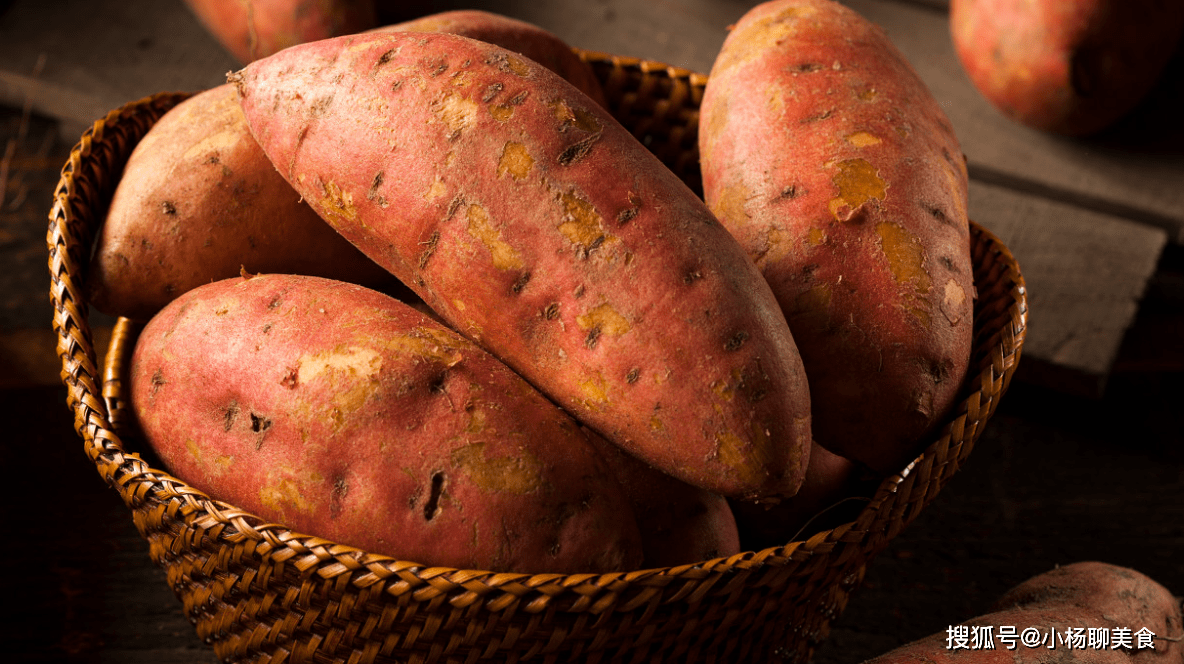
<point x="252" y="29"/>
<point x="1067" y="613"/>
<point x="343" y="413"/>
<point x="1066" y="66"/>
<point x="199" y="201"/>
<point x="680" y="524"/>
<point x="829" y="160"/>
<point x="535" y="224"/>
<point x="513" y="35"/>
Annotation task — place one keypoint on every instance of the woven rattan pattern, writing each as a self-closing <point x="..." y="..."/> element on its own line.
<point x="258" y="592"/>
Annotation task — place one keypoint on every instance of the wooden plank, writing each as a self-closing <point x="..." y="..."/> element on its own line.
<point x="1086" y="272"/>
<point x="99" y="55"/>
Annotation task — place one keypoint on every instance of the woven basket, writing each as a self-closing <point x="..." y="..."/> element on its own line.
<point x="258" y="592"/>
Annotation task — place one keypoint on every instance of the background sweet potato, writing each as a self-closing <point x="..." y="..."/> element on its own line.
<point x="197" y="202"/>
<point x="252" y="29"/>
<point x="826" y="156"/>
<point x="1067" y="66"/>
<point x="343" y="413"/>
<point x="513" y="35"/>
<point x="535" y="224"/>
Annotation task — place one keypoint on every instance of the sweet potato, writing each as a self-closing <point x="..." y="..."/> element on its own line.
<point x="1069" y="609"/>
<point x="514" y="35"/>
<point x="252" y="29"/>
<point x="680" y="524"/>
<point x="346" y="414"/>
<point x="535" y="224"/>
<point x="834" y="491"/>
<point x="198" y="201"/>
<point x="829" y="160"/>
<point x="1067" y="66"/>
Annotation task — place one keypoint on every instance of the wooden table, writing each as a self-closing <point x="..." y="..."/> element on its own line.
<point x="1084" y="460"/>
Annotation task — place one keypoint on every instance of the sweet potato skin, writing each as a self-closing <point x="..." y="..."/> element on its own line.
<point x="1072" y="67"/>
<point x="514" y="35"/>
<point x="680" y="524"/>
<point x="825" y="155"/>
<point x="253" y="29"/>
<point x="535" y="224"/>
<point x="343" y="413"/>
<point x="199" y="201"/>
<point x="1081" y="595"/>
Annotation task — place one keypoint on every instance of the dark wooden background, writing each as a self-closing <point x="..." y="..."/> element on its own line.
<point x="1084" y="460"/>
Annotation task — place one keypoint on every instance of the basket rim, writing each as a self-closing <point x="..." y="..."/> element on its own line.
<point x="137" y="482"/>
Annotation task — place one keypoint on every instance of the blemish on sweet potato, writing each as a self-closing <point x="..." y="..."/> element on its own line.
<point x="259" y="424"/>
<point x="372" y="193"/>
<point x="431" y="508"/>
<point x="291" y="379"/>
<point x="515" y="160"/>
<point x="602" y="319"/>
<point x="337" y="205"/>
<point x="906" y="257"/>
<point x="456" y="112"/>
<point x="582" y="226"/>
<point x="595" y="390"/>
<point x="633" y="376"/>
<point x="337" y="496"/>
<point x="953" y="302"/>
<point x="509" y="64"/>
<point x="863" y="139"/>
<point x="857" y="183"/>
<point x="501" y="112"/>
<point x="481" y="228"/>
<point x="569" y="116"/>
<point x="520" y="283"/>
<point x="578" y="150"/>
<point x="168" y="207"/>
<point x="736" y="341"/>
<point x="230" y="415"/>
<point x="158" y="382"/>
<point x="491" y="91"/>
<point x="518" y="475"/>
<point x="435" y="190"/>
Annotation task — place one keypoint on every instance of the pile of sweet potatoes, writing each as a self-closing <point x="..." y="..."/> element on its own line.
<point x="578" y="365"/>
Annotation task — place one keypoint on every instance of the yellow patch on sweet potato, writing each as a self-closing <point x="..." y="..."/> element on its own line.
<point x="501" y="112"/>
<point x="337" y="204"/>
<point x="582" y="225"/>
<point x="731" y="202"/>
<point x="515" y="160"/>
<point x="574" y="117"/>
<point x="606" y="319"/>
<point x="282" y="495"/>
<point x="456" y="112"/>
<point x="863" y="139"/>
<point x="857" y="182"/>
<point x="595" y="390"/>
<point x="905" y="256"/>
<point x="519" y="475"/>
<point x="504" y="256"/>
<point x="436" y="190"/>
